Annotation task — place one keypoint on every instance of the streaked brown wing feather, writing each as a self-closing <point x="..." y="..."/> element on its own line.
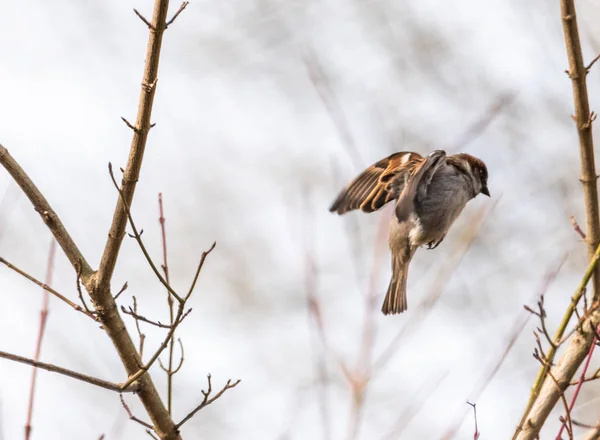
<point x="379" y="184"/>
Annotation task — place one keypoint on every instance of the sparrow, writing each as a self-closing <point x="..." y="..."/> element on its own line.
<point x="430" y="192"/>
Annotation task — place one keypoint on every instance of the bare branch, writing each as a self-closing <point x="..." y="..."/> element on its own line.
<point x="207" y="399"/>
<point x="134" y="128"/>
<point x="131" y="312"/>
<point x="47" y="288"/>
<point x="42" y="328"/>
<point x="142" y="370"/>
<point x="123" y="289"/>
<point x="589" y="66"/>
<point x="150" y="26"/>
<point x="141" y="335"/>
<point x="575" y="352"/>
<point x="200" y="265"/>
<point x="138" y="237"/>
<point x="558" y="339"/>
<point x="131" y="416"/>
<point x="48" y="215"/>
<point x="181" y="358"/>
<point x="577" y="228"/>
<point x="70" y="373"/>
<point x="179" y="11"/>
<point x="477" y="433"/>
<point x="580" y="384"/>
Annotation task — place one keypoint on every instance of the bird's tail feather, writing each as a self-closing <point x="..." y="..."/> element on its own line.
<point x="395" y="299"/>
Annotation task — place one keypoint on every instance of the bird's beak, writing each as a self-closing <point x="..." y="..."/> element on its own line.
<point x="485" y="190"/>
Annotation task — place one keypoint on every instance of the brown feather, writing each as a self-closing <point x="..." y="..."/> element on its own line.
<point x="379" y="184"/>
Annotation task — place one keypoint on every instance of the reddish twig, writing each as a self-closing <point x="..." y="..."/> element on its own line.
<point x="579" y="384"/>
<point x="577" y="228"/>
<point x="131" y="416"/>
<point x="165" y="267"/>
<point x="42" y="328"/>
<point x="477" y="433"/>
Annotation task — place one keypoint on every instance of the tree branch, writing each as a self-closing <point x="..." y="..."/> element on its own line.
<point x="47" y="288"/>
<point x="583" y="118"/>
<point x="98" y="283"/>
<point x="577" y="73"/>
<point x="70" y="373"/>
<point x="207" y="399"/>
<point x="48" y="215"/>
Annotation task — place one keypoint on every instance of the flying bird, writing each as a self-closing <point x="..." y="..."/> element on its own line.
<point x="429" y="192"/>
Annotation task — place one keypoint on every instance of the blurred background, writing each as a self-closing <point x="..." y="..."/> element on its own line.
<point x="265" y="109"/>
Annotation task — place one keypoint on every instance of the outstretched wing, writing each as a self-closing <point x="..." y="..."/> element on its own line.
<point x="379" y="184"/>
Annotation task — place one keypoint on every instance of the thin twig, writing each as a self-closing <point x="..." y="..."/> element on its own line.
<point x="589" y="66"/>
<point x="47" y="288"/>
<point x="477" y="433"/>
<point x="123" y="289"/>
<point x="42" y="328"/>
<point x="558" y="336"/>
<point x="577" y="227"/>
<point x="178" y="320"/>
<point x="199" y="268"/>
<point x="580" y="384"/>
<point x="138" y="237"/>
<point x="517" y="328"/>
<point x="165" y="267"/>
<point x="179" y="11"/>
<point x="142" y="336"/>
<point x="131" y="312"/>
<point x="131" y="416"/>
<point x="150" y="26"/>
<point x="583" y="119"/>
<point x="206" y="400"/>
<point x="46" y="212"/>
<point x="542" y="360"/>
<point x="98" y="283"/>
<point x="70" y="373"/>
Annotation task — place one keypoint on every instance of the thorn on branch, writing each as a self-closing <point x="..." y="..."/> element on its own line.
<point x="150" y="26"/>
<point x="179" y="11"/>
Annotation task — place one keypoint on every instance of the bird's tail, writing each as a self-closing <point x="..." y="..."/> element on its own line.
<point x="395" y="299"/>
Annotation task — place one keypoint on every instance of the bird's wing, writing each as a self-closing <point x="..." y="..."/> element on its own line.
<point x="379" y="184"/>
<point x="418" y="183"/>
